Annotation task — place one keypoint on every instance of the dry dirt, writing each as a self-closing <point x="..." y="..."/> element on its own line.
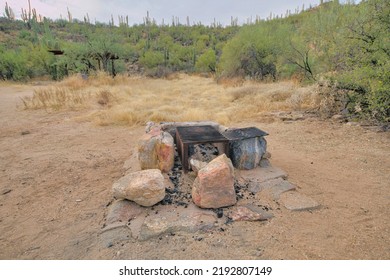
<point x="56" y="174"/>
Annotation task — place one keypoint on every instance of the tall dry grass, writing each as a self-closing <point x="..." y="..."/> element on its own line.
<point x="136" y="100"/>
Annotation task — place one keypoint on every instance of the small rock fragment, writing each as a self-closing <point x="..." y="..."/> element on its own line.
<point x="6" y="191"/>
<point x="197" y="165"/>
<point x="249" y="213"/>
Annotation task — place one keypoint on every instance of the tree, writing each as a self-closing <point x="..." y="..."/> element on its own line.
<point x="367" y="71"/>
<point x="252" y="52"/>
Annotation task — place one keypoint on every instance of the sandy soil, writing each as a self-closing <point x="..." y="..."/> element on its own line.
<point x="56" y="174"/>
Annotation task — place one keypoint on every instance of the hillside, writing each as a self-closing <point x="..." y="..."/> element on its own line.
<point x="346" y="45"/>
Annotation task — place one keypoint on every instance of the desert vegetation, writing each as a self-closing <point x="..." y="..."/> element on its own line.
<point x="342" y="48"/>
<point x="136" y="100"/>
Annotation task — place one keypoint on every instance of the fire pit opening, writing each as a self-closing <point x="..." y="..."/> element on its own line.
<point x="187" y="136"/>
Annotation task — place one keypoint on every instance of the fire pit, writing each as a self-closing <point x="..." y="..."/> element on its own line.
<point x="190" y="135"/>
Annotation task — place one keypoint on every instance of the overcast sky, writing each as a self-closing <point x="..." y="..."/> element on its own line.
<point x="197" y="10"/>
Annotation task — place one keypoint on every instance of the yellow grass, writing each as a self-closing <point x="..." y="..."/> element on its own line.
<point x="136" y="100"/>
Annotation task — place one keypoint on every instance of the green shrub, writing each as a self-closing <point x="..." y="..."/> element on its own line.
<point x="206" y="62"/>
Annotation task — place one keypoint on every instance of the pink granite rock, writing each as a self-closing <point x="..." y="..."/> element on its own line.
<point x="249" y="213"/>
<point x="214" y="185"/>
<point x="145" y="187"/>
<point x="156" y="150"/>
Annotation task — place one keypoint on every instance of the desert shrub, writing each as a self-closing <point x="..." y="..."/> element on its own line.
<point x="152" y="59"/>
<point x="158" y="72"/>
<point x="55" y="98"/>
<point x="332" y="100"/>
<point x="206" y="62"/>
<point x="367" y="70"/>
<point x="14" y="66"/>
<point x="105" y="97"/>
<point x="250" y="53"/>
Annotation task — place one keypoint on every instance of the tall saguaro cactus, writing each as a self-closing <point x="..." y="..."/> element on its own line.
<point x="8" y="12"/>
<point x="26" y="17"/>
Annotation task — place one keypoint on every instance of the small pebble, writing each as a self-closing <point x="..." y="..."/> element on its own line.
<point x="6" y="191"/>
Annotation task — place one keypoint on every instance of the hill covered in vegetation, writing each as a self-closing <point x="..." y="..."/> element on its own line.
<point x="345" y="47"/>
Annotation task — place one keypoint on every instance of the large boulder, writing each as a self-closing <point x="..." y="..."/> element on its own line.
<point x="145" y="187"/>
<point x="156" y="150"/>
<point x="214" y="185"/>
<point x="247" y="153"/>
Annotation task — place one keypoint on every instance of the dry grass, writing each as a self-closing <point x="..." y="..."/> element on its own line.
<point x="134" y="101"/>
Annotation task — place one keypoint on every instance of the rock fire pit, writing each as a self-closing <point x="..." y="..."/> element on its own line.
<point x="225" y="180"/>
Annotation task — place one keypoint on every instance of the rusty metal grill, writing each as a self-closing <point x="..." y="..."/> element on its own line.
<point x="186" y="135"/>
<point x="204" y="134"/>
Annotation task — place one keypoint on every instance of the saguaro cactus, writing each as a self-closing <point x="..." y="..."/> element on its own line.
<point x="8" y="12"/>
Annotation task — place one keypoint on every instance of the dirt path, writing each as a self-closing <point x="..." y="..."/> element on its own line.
<point x="56" y="175"/>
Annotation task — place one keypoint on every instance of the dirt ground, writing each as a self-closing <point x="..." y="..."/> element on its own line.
<point x="56" y="174"/>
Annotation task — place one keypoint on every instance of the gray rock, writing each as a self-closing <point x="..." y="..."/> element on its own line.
<point x="114" y="233"/>
<point x="265" y="163"/>
<point x="197" y="165"/>
<point x="295" y="201"/>
<point x="144" y="187"/>
<point x="259" y="175"/>
<point x="168" y="219"/>
<point x="151" y="126"/>
<point x="276" y="186"/>
<point x="247" y="153"/>
<point x="267" y="155"/>
<point x="122" y="211"/>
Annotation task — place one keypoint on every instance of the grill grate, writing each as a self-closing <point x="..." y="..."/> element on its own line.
<point x="203" y="134"/>
<point x="244" y="133"/>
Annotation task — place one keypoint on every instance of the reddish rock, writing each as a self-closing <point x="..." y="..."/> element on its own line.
<point x="214" y="185"/>
<point x="144" y="187"/>
<point x="156" y="150"/>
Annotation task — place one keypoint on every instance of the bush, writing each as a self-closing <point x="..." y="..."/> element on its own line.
<point x="152" y="59"/>
<point x="206" y="62"/>
<point x="13" y="66"/>
<point x="158" y="72"/>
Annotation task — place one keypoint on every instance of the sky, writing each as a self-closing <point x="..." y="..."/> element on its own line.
<point x="204" y="11"/>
